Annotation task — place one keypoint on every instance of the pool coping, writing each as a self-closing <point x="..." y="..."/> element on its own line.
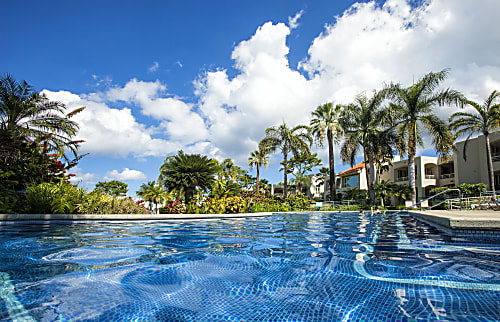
<point x="123" y="217"/>
<point x="462" y="223"/>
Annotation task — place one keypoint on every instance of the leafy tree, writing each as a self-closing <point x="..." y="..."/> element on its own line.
<point x="325" y="122"/>
<point x="258" y="158"/>
<point x="413" y="108"/>
<point x="27" y="116"/>
<point x="185" y="173"/>
<point x="224" y="188"/>
<point x="366" y="126"/>
<point x="113" y="188"/>
<point x="153" y="193"/>
<point x="484" y="120"/>
<point x="286" y="140"/>
<point x="300" y="165"/>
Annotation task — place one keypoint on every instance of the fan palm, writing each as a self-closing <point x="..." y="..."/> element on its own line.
<point x="366" y="127"/>
<point x="287" y="140"/>
<point x="184" y="173"/>
<point x="26" y="115"/>
<point x="258" y="158"/>
<point x="325" y="122"/>
<point x="413" y="108"/>
<point x="485" y="120"/>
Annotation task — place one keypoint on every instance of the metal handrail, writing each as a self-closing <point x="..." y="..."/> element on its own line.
<point x="442" y="202"/>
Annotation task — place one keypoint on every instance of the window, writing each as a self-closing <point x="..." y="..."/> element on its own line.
<point x="352" y="181"/>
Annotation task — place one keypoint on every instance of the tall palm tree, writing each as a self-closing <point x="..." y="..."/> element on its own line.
<point x="287" y="140"/>
<point x="154" y="193"/>
<point x="366" y="126"/>
<point x="184" y="173"/>
<point x="485" y="120"/>
<point x="325" y="122"/>
<point x="26" y="115"/>
<point x="256" y="159"/>
<point x="413" y="108"/>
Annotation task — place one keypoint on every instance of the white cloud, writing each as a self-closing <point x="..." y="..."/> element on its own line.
<point x="81" y="177"/>
<point x="293" y="22"/>
<point x="153" y="68"/>
<point x="110" y="131"/>
<point x="359" y="51"/>
<point x="126" y="174"/>
<point x="178" y="63"/>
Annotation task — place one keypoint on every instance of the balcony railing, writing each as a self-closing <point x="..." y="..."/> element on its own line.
<point x="399" y="179"/>
<point x="430" y="176"/>
<point x="495" y="157"/>
<point x="447" y="176"/>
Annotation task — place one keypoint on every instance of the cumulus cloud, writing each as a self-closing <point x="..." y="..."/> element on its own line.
<point x="110" y="131"/>
<point x="358" y="51"/>
<point x="81" y="177"/>
<point x="153" y="68"/>
<point x="126" y="174"/>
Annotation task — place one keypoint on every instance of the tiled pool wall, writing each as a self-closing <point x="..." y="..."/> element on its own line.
<point x="483" y="234"/>
<point x="469" y="233"/>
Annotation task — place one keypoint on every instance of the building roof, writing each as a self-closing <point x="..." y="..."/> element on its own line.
<point x="357" y="168"/>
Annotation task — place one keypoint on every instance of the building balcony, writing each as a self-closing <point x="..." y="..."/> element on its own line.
<point x="447" y="176"/>
<point x="495" y="157"/>
<point x="399" y="179"/>
<point x="430" y="176"/>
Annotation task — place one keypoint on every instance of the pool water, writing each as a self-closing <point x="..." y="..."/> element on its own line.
<point x="285" y="267"/>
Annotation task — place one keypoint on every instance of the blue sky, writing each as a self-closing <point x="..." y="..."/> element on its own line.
<point x="210" y="76"/>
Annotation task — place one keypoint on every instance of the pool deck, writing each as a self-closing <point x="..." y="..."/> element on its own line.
<point x="481" y="223"/>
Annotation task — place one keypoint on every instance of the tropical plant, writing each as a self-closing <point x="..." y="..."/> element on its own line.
<point x="185" y="173"/>
<point x="287" y="140"/>
<point x="355" y="194"/>
<point x="413" y="108"/>
<point x="366" y="126"/>
<point x="484" y="120"/>
<point x="154" y="194"/>
<point x="258" y="158"/>
<point x="325" y="122"/>
<point x="113" y="188"/>
<point x="224" y="188"/>
<point x="299" y="165"/>
<point x="28" y="116"/>
<point x="174" y="207"/>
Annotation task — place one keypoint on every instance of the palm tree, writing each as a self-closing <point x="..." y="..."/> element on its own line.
<point x="366" y="127"/>
<point x="413" y="108"/>
<point x="256" y="159"/>
<point x="286" y="140"/>
<point x="325" y="122"/>
<point x="154" y="193"/>
<point x="485" y="120"/>
<point x="26" y="115"/>
<point x="184" y="173"/>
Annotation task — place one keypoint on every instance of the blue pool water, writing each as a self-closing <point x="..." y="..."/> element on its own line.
<point x="286" y="267"/>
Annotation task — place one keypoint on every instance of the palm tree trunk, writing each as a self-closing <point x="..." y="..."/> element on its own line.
<point x="331" y="161"/>
<point x="491" y="174"/>
<point x="411" y="165"/>
<point x="285" y="169"/>
<point x="257" y="186"/>
<point x="367" y="171"/>
<point x="372" y="181"/>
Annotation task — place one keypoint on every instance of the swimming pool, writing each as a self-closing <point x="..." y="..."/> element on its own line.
<point x="285" y="267"/>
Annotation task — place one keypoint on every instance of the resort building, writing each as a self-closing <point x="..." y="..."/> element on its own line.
<point x="431" y="172"/>
<point x="473" y="168"/>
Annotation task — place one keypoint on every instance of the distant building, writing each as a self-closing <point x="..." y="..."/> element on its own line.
<point x="431" y="171"/>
